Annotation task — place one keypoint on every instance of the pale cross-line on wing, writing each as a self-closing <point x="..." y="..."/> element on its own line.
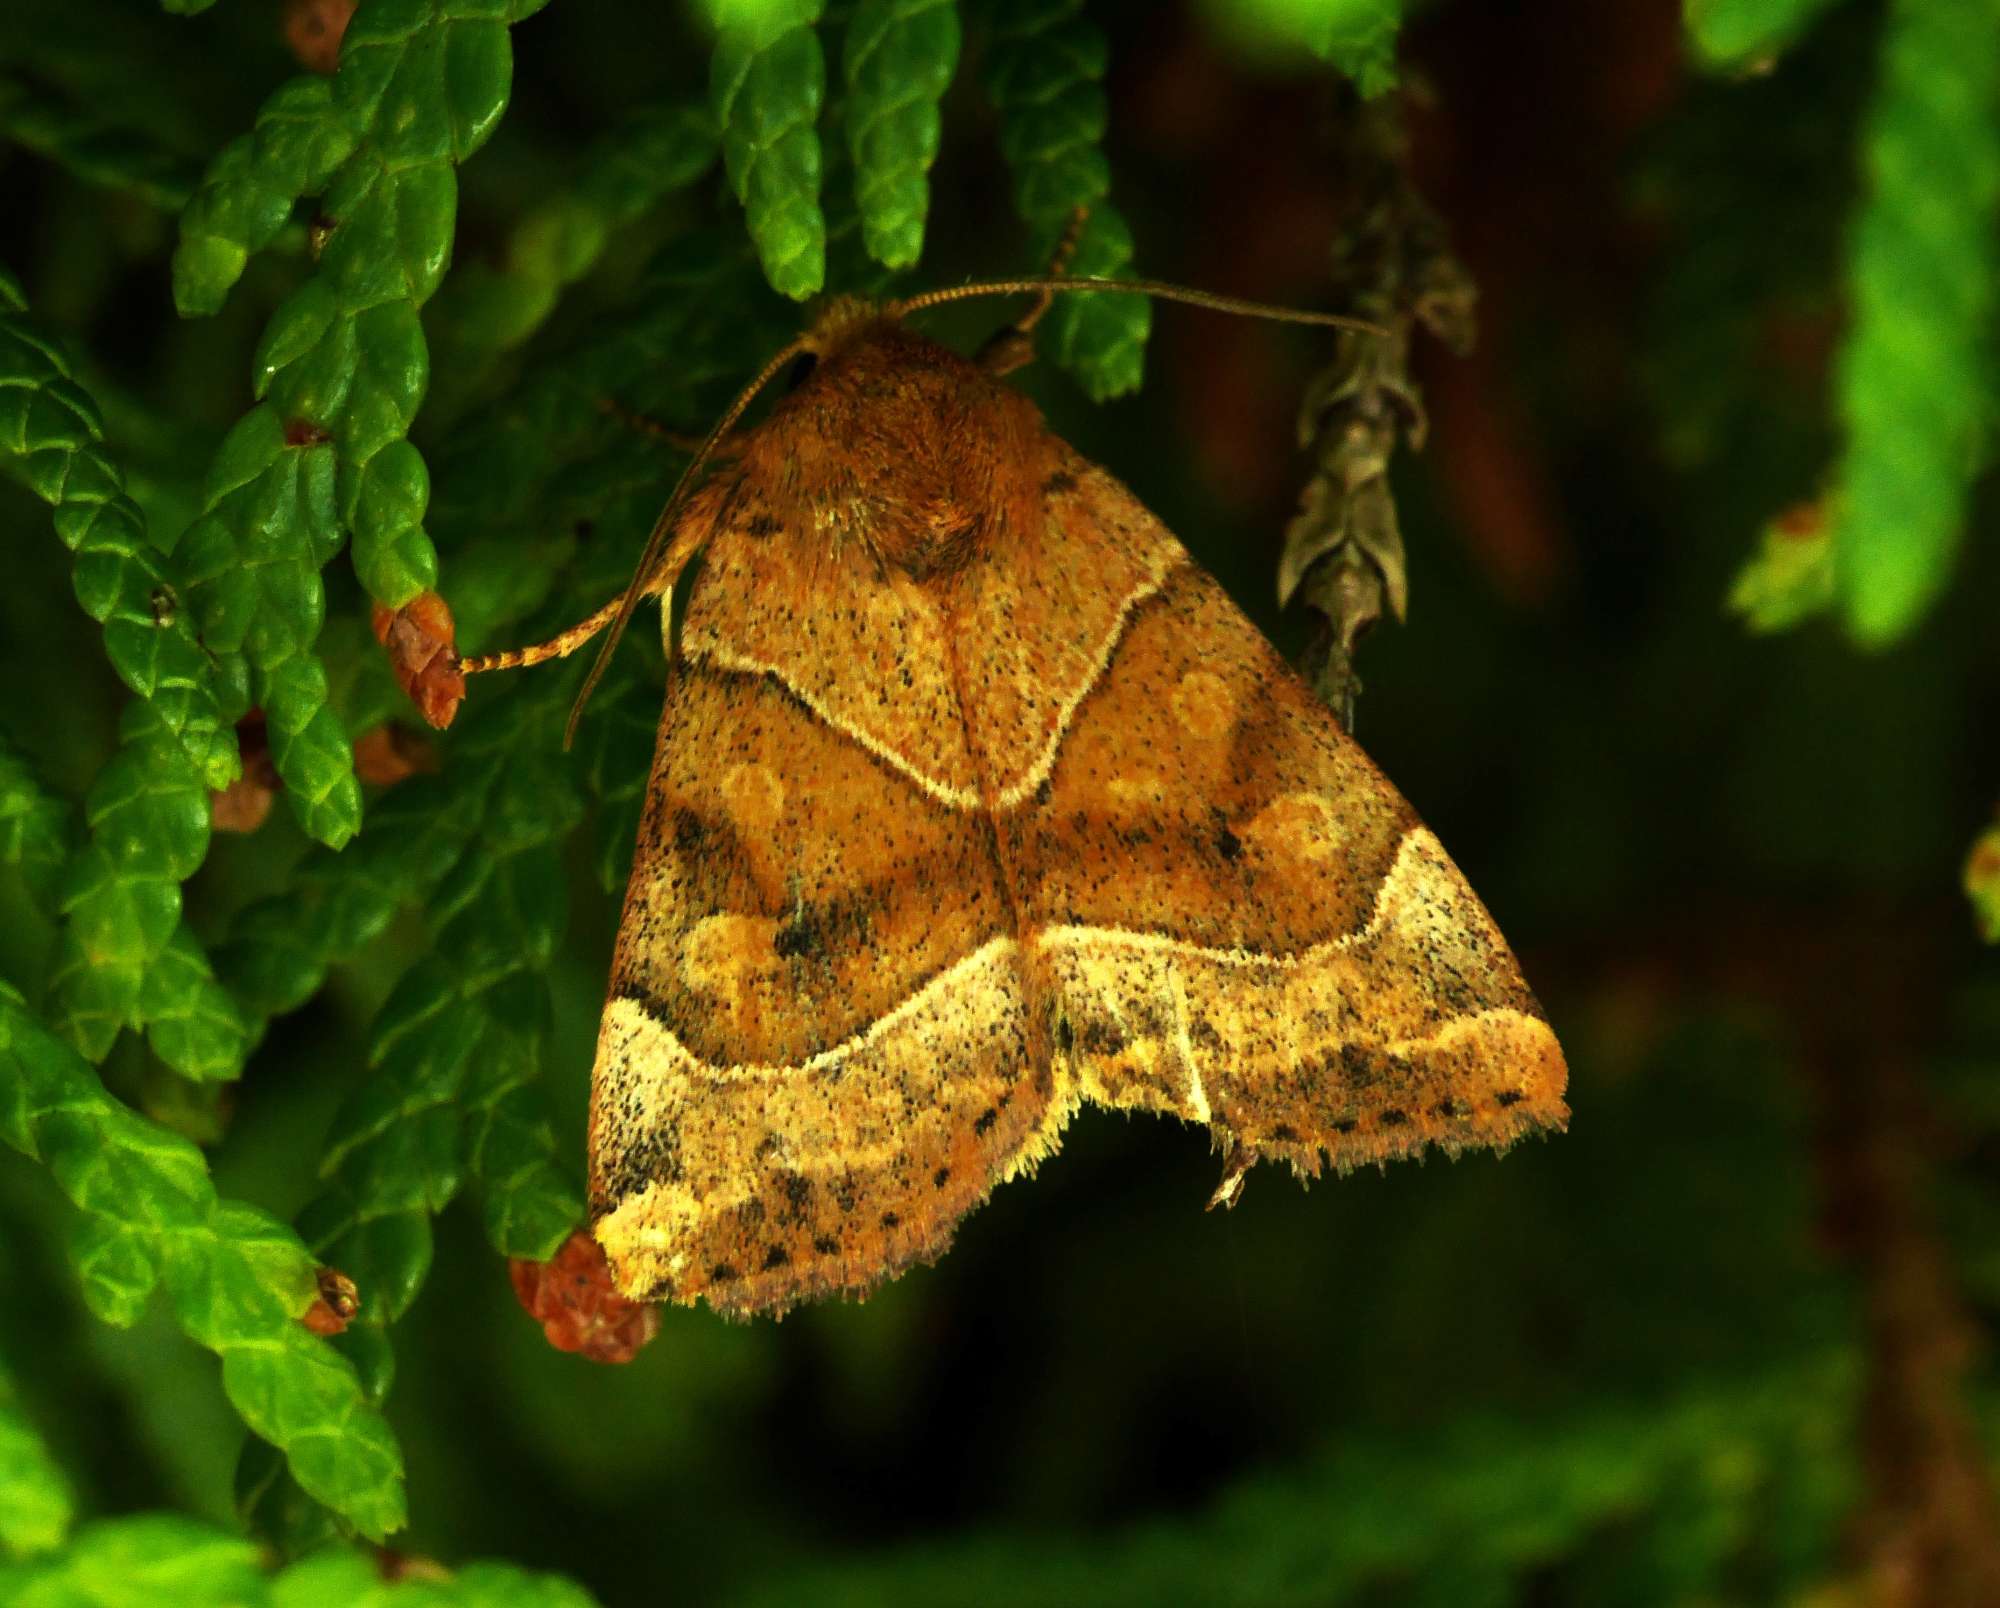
<point x="1197" y="1095"/>
<point x="1003" y="951"/>
<point x="1016" y="792"/>
<point x="1022" y="788"/>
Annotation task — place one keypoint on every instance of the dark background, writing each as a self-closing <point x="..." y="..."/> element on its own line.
<point x="1726" y="1333"/>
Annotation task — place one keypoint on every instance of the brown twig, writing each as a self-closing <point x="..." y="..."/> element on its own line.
<point x="1392" y="265"/>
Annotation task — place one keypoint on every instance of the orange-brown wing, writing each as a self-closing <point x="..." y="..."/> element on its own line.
<point x="815" y="1056"/>
<point x="1227" y="913"/>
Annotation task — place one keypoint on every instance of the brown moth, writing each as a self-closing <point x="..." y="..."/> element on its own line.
<point x="975" y="799"/>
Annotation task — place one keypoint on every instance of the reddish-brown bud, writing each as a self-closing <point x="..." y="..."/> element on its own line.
<point x="578" y="1307"/>
<point x="422" y="645"/>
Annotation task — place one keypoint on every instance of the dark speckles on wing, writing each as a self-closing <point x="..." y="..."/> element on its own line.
<point x="654" y="1155"/>
<point x="691" y="833"/>
<point x="801" y="936"/>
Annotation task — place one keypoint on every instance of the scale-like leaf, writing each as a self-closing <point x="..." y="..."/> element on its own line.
<point x="767" y="83"/>
<point x="898" y="58"/>
<point x="1045" y="71"/>
<point x="237" y="1279"/>
<point x="1915" y="381"/>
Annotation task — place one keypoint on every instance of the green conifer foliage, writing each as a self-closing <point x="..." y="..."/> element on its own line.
<point x="343" y="365"/>
<point x="127" y="960"/>
<point x="1044" y="66"/>
<point x="284" y="351"/>
<point x="1917" y="392"/>
<point x="53" y="430"/>
<point x="899" y="58"/>
<point x="767" y="86"/>
<point x="37" y="833"/>
<point x="237" y="1280"/>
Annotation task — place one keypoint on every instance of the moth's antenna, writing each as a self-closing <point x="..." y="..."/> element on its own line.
<point x="1158" y="288"/>
<point x="663" y="527"/>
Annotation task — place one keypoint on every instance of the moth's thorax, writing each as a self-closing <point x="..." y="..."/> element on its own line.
<point x="899" y="443"/>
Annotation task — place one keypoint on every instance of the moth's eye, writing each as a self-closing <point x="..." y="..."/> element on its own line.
<point x="801" y="370"/>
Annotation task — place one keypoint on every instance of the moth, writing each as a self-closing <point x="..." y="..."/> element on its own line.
<point x="976" y="799"/>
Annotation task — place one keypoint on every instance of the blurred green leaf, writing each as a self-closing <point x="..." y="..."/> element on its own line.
<point x="1356" y="36"/>
<point x="35" y="1501"/>
<point x="486" y="308"/>
<point x="88" y="143"/>
<point x="142" y="1561"/>
<point x="147" y="818"/>
<point x="1791" y="575"/>
<point x="1745" y="33"/>
<point x="158" y="1558"/>
<point x="37" y="829"/>
<point x="1915" y="381"/>
<point x="1982" y="882"/>
<point x="1468" y="1516"/>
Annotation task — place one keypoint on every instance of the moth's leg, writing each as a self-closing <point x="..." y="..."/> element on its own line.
<point x="680" y="440"/>
<point x="1014" y="347"/>
<point x="1237" y="1160"/>
<point x="664" y="568"/>
<point x="559" y="646"/>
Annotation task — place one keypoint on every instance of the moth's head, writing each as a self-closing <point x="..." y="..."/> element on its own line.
<point x="860" y="368"/>
<point x="841" y="322"/>
<point x="887" y="437"/>
<point x="856" y="349"/>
